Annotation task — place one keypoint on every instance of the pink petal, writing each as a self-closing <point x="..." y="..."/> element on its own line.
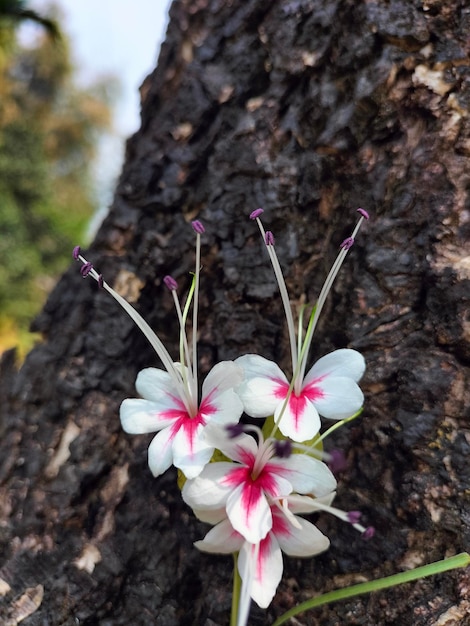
<point x="249" y="511"/>
<point x="264" y="386"/>
<point x="190" y="452"/>
<point x="222" y="539"/>
<point x="265" y="569"/>
<point x="300" y="420"/>
<point x="221" y="408"/>
<point x="340" y="397"/>
<point x="344" y="362"/>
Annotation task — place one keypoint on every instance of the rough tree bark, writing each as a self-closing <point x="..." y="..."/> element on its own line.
<point x="309" y="109"/>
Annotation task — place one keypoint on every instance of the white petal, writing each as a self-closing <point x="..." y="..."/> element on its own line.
<point x="340" y="397"/>
<point x="208" y="490"/>
<point x="223" y="376"/>
<point x="300" y="420"/>
<point x="265" y="566"/>
<point x="190" y="452"/>
<point x="222" y="539"/>
<point x="153" y="384"/>
<point x="249" y="512"/>
<point x="264" y="387"/>
<point x="242" y="448"/>
<point x="306" y="474"/>
<point x="301" y="542"/>
<point x="142" y="416"/>
<point x="213" y="516"/>
<point x="160" y="452"/>
<point x="343" y="362"/>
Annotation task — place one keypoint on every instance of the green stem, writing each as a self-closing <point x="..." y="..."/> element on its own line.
<point x="237" y="586"/>
<point x="460" y="560"/>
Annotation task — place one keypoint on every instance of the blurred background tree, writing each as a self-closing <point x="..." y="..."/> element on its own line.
<point x="49" y="134"/>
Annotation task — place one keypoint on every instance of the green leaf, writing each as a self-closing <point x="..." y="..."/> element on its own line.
<point x="460" y="560"/>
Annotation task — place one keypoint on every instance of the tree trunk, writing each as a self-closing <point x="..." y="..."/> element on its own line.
<point x="308" y="109"/>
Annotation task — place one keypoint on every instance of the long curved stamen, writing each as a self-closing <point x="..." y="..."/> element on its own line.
<point x="199" y="229"/>
<point x="351" y="517"/>
<point x="149" y="334"/>
<point x="345" y="247"/>
<point x="283" y="506"/>
<point x="269" y="241"/>
<point x="183" y="347"/>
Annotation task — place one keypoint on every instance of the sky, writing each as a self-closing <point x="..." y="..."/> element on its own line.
<point x="117" y="37"/>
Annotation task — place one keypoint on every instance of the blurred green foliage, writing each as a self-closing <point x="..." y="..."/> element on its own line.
<point x="49" y="133"/>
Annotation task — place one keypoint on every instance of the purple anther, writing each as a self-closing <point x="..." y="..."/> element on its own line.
<point x="337" y="461"/>
<point x="76" y="252"/>
<point x="368" y="533"/>
<point x="198" y="227"/>
<point x="171" y="283"/>
<point x="354" y="517"/>
<point x="234" y="430"/>
<point x="86" y="269"/>
<point x="347" y="243"/>
<point x="269" y="238"/>
<point x="256" y="213"/>
<point x="100" y="281"/>
<point x="364" y="213"/>
<point x="283" y="448"/>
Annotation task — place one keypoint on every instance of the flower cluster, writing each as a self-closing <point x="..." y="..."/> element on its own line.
<point x="270" y="474"/>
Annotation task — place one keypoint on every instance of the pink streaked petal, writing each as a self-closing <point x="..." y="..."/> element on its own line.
<point x="221" y="408"/>
<point x="300" y="420"/>
<point x="153" y="384"/>
<point x="300" y="542"/>
<point x="274" y="480"/>
<point x="190" y="452"/>
<point x="222" y="539"/>
<point x="307" y="475"/>
<point x="208" y="491"/>
<point x="264" y="386"/>
<point x="342" y="397"/>
<point x="265" y="566"/>
<point x="160" y="452"/>
<point x="223" y="376"/>
<point x="249" y="512"/>
<point x="344" y="362"/>
<point x="142" y="416"/>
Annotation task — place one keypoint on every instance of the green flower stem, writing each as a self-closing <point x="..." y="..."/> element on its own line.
<point x="460" y="560"/>
<point x="237" y="586"/>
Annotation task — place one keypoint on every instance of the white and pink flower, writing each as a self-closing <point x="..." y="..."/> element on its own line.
<point x="328" y="389"/>
<point x="180" y="419"/>
<point x="260" y="565"/>
<point x="169" y="401"/>
<point x="255" y="477"/>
